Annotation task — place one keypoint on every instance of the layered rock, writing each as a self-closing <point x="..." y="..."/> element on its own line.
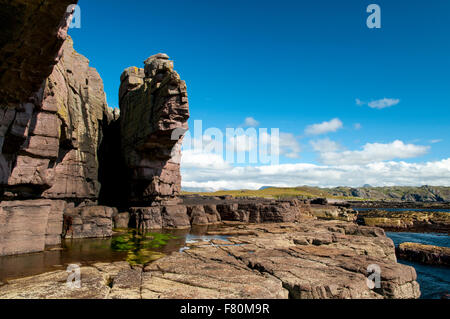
<point x="210" y="211"/>
<point x="33" y="32"/>
<point x="50" y="141"/>
<point x="88" y="222"/>
<point x="406" y="220"/>
<point x="154" y="112"/>
<point x="52" y="111"/>
<point x="333" y="212"/>
<point x="426" y="254"/>
<point x="157" y="217"/>
<point x="28" y="226"/>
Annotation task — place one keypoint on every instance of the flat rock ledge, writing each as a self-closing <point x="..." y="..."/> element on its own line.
<point x="425" y="254"/>
<point x="310" y="259"/>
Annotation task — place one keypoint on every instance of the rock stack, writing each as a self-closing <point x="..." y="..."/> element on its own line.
<point x="154" y="112"/>
<point x="60" y="141"/>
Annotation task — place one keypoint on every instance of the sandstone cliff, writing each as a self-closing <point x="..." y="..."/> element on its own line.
<point x="50" y="151"/>
<point x="52" y="112"/>
<point x="30" y="45"/>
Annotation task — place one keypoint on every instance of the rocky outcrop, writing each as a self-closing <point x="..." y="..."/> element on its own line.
<point x="56" y="155"/>
<point x="307" y="260"/>
<point x="312" y="259"/>
<point x="210" y="211"/>
<point x="426" y="254"/>
<point x="28" y="226"/>
<point x="88" y="222"/>
<point x="154" y="111"/>
<point x="406" y="220"/>
<point x="333" y="212"/>
<point x="158" y="217"/>
<point x="203" y="214"/>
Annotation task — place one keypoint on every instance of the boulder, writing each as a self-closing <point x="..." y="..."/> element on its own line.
<point x="158" y="217"/>
<point x="121" y="220"/>
<point x="88" y="222"/>
<point x="28" y="226"/>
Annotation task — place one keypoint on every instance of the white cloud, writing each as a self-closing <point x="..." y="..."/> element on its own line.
<point x="324" y="127"/>
<point x="379" y="104"/>
<point x="193" y="159"/>
<point x="242" y="143"/>
<point x="436" y="141"/>
<point x="357" y="126"/>
<point x="250" y="121"/>
<point x="325" y="145"/>
<point x="373" y="152"/>
<point x="289" y="145"/>
<point x="284" y="144"/>
<point x="383" y="103"/>
<point x="285" y="175"/>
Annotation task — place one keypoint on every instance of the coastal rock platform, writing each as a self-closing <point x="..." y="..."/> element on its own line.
<point x="426" y="254"/>
<point x="309" y="259"/>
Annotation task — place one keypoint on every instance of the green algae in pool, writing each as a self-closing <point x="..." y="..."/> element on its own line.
<point x="140" y="247"/>
<point x="96" y="250"/>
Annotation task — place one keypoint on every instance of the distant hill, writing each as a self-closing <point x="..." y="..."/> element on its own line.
<point x="394" y="193"/>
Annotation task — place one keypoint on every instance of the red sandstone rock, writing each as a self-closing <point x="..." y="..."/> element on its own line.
<point x="88" y="222"/>
<point x="32" y="34"/>
<point x="27" y="226"/>
<point x="154" y="113"/>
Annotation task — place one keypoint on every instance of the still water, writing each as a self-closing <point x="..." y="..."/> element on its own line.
<point x="128" y="245"/>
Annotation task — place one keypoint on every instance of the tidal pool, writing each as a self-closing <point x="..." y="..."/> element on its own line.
<point x="126" y="244"/>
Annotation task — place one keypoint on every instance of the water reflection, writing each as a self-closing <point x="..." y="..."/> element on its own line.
<point x="89" y="251"/>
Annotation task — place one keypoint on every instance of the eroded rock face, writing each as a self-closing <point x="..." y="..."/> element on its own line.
<point x="333" y="212"/>
<point x="158" y="217"/>
<point x="33" y="32"/>
<point x="88" y="222"/>
<point x="28" y="226"/>
<point x="50" y="147"/>
<point x="154" y="112"/>
<point x="52" y="110"/>
<point x="201" y="211"/>
<point x="426" y="254"/>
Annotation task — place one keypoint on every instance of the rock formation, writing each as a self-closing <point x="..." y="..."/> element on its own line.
<point x="426" y="254"/>
<point x="52" y="111"/>
<point x="154" y="111"/>
<point x="432" y="221"/>
<point x="66" y="157"/>
<point x="33" y="32"/>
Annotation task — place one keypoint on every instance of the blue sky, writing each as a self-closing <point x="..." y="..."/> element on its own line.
<point x="291" y="65"/>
